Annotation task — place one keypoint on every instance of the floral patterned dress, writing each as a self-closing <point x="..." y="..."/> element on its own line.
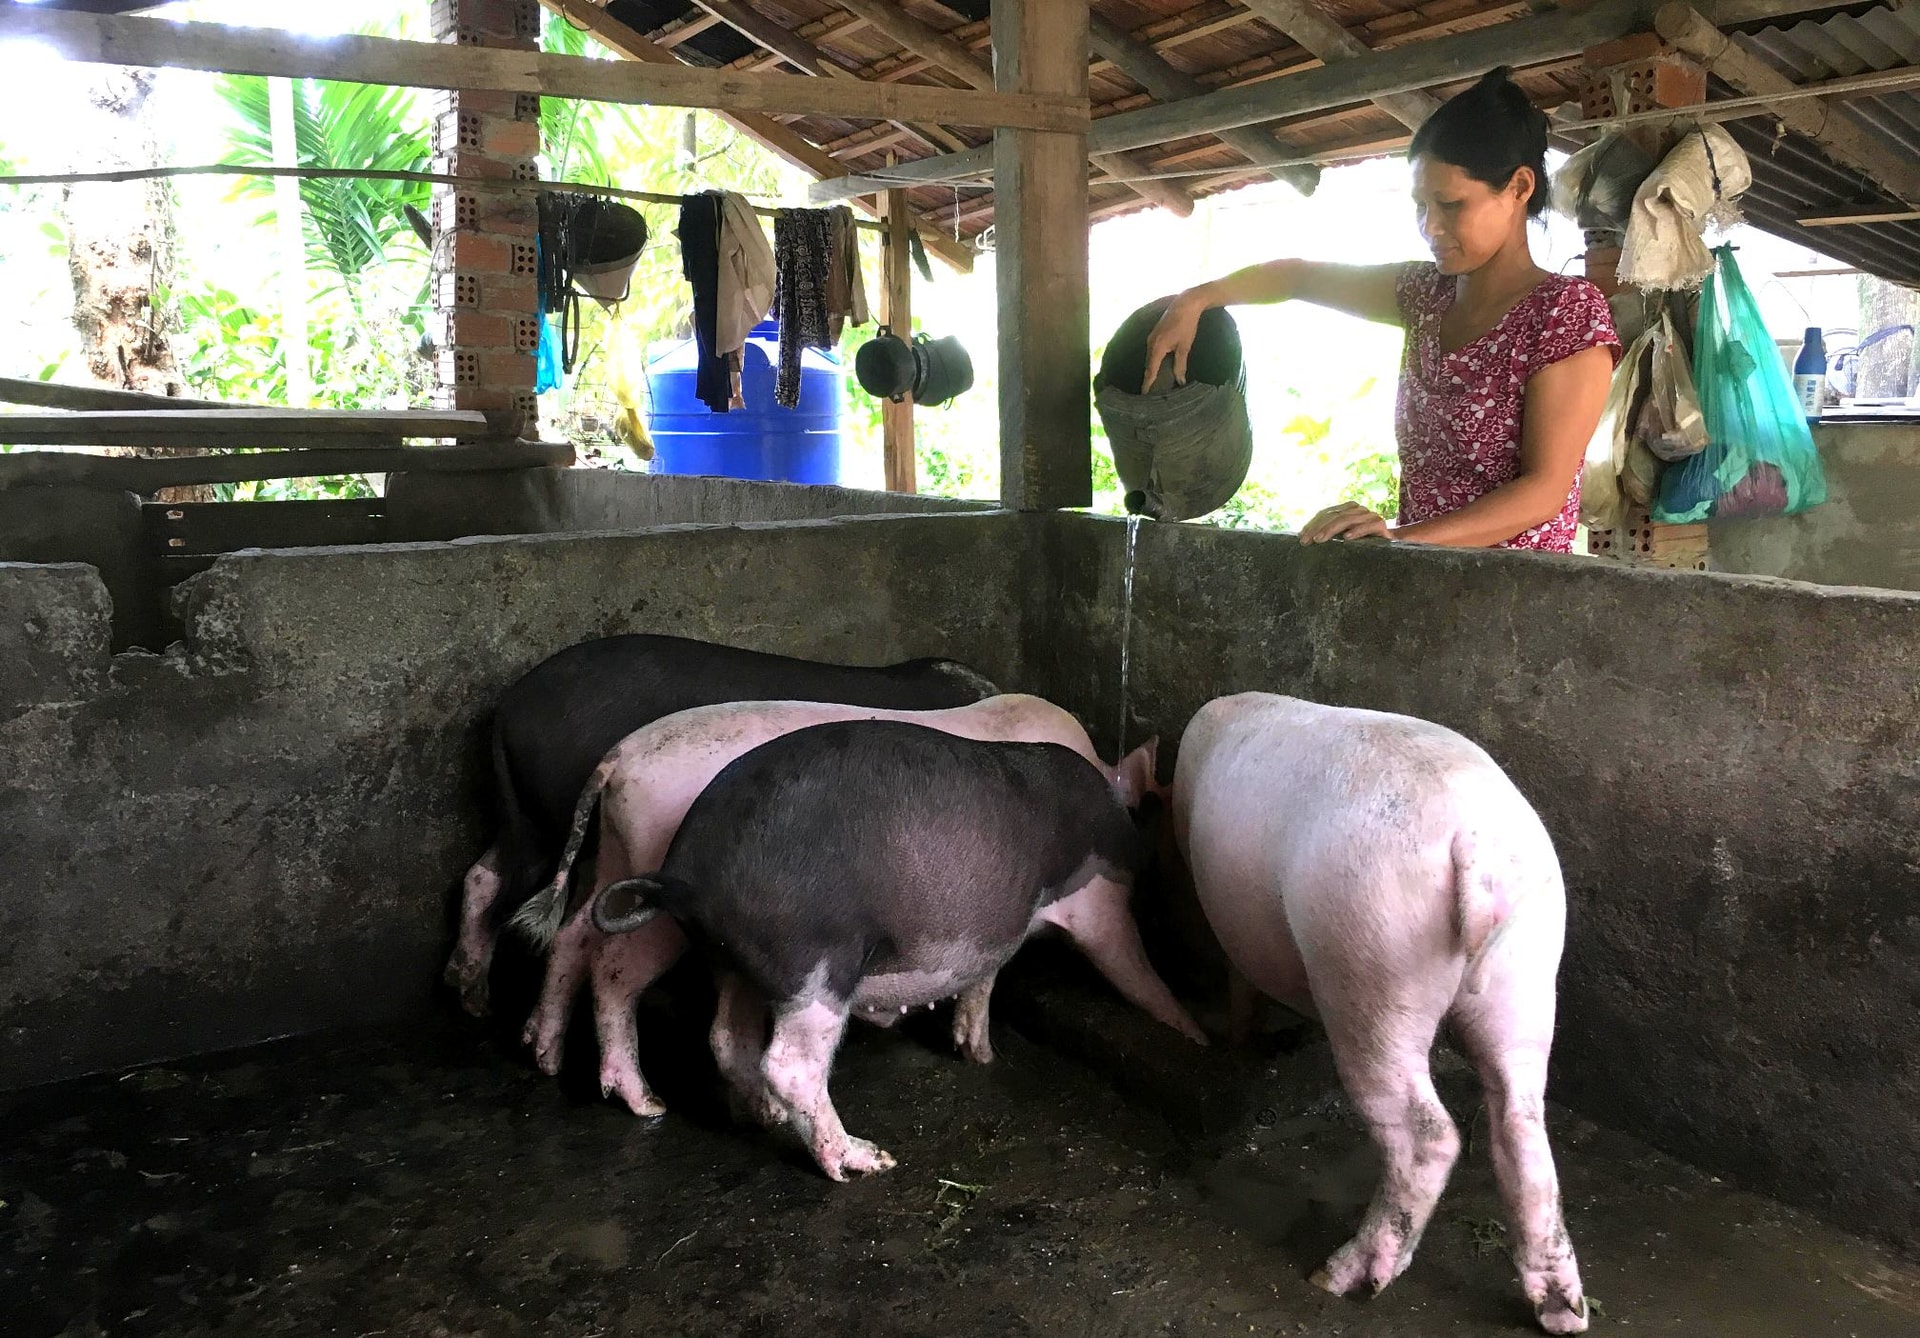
<point x="1458" y="415"/>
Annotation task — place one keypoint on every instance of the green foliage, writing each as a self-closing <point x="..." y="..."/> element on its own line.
<point x="351" y="224"/>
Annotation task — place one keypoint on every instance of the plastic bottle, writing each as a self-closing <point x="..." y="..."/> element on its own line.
<point x="1810" y="374"/>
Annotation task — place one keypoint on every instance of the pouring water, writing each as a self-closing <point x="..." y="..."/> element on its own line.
<point x="1126" y="631"/>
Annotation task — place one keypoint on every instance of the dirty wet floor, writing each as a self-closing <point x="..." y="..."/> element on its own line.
<point x="430" y="1183"/>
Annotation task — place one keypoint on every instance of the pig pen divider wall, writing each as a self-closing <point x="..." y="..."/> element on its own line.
<point x="261" y="831"/>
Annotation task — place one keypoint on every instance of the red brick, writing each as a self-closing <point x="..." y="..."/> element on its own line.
<point x="517" y="222"/>
<point x="474" y="397"/>
<point x="504" y="367"/>
<point x="508" y="19"/>
<point x="508" y="138"/>
<point x="1633" y="48"/>
<point x="486" y="101"/>
<point x="467" y="329"/>
<point x="508" y="294"/>
<point x="473" y="163"/>
<point x="477" y="253"/>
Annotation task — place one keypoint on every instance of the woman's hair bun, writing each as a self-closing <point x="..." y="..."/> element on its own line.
<point x="1490" y="131"/>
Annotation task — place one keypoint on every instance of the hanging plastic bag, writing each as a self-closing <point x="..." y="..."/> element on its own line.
<point x="1595" y="187"/>
<point x="1759" y="459"/>
<point x="1670" y="423"/>
<point x="1602" y="503"/>
<point x="627" y="379"/>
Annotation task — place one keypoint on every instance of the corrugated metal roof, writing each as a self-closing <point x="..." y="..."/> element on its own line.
<point x="1794" y="179"/>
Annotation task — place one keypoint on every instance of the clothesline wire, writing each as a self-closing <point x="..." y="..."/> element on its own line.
<point x="372" y="174"/>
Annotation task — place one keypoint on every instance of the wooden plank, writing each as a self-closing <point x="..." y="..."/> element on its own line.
<point x="1856" y="220"/>
<point x="1040" y="272"/>
<point x="770" y="134"/>
<point x="194" y="528"/>
<point x="128" y="40"/>
<point x="896" y="420"/>
<point x="1153" y="72"/>
<point x="809" y="59"/>
<point x="946" y="54"/>
<point x="133" y="474"/>
<point x="199" y="428"/>
<point x="797" y="51"/>
<point x="1308" y="24"/>
<point x="1534" y="40"/>
<point x="59" y="395"/>
<point x="920" y="38"/>
<point x="684" y="31"/>
<point x="1880" y="160"/>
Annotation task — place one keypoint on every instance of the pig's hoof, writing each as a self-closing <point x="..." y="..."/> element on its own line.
<point x="633" y="1093"/>
<point x="859" y="1157"/>
<point x="1356" y="1268"/>
<point x="975" y="1049"/>
<point x="470" y="983"/>
<point x="547" y="1049"/>
<point x="760" y="1109"/>
<point x="1559" y="1315"/>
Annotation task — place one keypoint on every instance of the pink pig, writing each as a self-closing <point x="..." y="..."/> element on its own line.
<point x="1383" y="874"/>
<point x="644" y="787"/>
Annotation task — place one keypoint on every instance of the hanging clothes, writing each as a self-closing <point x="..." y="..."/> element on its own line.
<point x="746" y="284"/>
<point x="819" y="288"/>
<point x="803" y="263"/>
<point x="846" y="283"/>
<point x="699" y="235"/>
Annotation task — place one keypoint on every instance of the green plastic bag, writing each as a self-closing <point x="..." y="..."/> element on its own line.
<point x="1759" y="459"/>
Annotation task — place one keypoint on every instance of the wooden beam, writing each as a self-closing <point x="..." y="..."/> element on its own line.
<point x="920" y="38"/>
<point x="125" y="40"/>
<point x="1040" y="272"/>
<point x="1859" y="220"/>
<point x="1306" y="23"/>
<point x="896" y="420"/>
<point x="685" y="30"/>
<point x="787" y="144"/>
<point x="1535" y="40"/>
<point x="1881" y="161"/>
<point x="132" y="474"/>
<point x="783" y="42"/>
<point x="344" y="429"/>
<point x="809" y="59"/>
<point x="947" y="54"/>
<point x="58" y="395"/>
<point x="1152" y="72"/>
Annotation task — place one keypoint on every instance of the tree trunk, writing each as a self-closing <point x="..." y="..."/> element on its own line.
<point x="120" y="248"/>
<point x="1887" y="369"/>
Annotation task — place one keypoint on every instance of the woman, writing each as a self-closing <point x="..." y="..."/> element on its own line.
<point x="1506" y="366"/>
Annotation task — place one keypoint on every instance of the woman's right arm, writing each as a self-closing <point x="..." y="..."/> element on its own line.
<point x="1366" y="291"/>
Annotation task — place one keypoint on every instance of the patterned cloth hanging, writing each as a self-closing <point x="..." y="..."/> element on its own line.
<point x="802" y="259"/>
<point x="818" y="288"/>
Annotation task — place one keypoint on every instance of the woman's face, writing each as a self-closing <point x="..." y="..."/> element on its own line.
<point x="1466" y="222"/>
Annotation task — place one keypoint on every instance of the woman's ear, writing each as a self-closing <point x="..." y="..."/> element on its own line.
<point x="1522" y="185"/>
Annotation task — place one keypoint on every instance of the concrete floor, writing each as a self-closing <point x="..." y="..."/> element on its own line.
<point x="1094" y="1180"/>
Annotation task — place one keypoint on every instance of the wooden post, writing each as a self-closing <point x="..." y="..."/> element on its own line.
<point x="1040" y="227"/>
<point x="897" y="419"/>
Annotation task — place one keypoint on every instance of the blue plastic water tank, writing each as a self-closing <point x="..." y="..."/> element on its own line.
<point x="761" y="441"/>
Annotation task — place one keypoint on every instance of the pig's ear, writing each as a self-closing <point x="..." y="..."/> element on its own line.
<point x="1133" y="779"/>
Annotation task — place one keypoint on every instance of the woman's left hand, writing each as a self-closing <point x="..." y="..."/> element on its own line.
<point x="1349" y="520"/>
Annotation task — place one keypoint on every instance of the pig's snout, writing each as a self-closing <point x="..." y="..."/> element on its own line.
<point x="624" y="906"/>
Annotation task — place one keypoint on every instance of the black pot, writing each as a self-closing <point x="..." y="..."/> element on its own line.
<point x="933" y="371"/>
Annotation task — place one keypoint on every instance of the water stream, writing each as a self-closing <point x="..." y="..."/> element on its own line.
<point x="1126" y="633"/>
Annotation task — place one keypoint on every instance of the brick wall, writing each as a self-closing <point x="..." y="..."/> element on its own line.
<point x="483" y="280"/>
